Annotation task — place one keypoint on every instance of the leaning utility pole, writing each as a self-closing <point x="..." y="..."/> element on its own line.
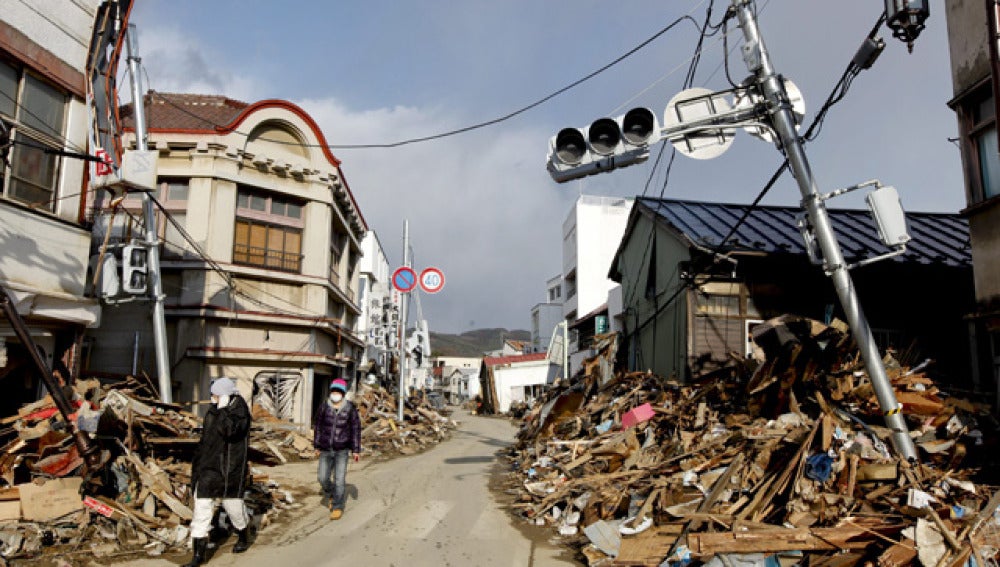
<point x="404" y="299"/>
<point x="779" y="108"/>
<point x="152" y="238"/>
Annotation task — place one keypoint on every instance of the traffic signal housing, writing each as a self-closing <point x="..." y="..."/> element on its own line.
<point x="606" y="144"/>
<point x="135" y="262"/>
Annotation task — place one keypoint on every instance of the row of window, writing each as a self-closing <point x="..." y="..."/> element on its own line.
<point x="268" y="230"/>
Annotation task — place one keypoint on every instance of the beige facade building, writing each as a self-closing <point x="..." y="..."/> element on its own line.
<point x="259" y="261"/>
<point x="973" y="32"/>
<point x="44" y="241"/>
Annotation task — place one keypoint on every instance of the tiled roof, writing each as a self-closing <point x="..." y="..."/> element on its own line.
<point x="937" y="238"/>
<point x="502" y="360"/>
<point x="189" y="112"/>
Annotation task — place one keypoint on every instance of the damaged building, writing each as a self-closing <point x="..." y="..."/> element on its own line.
<point x="43" y="235"/>
<point x="261" y="241"/>
<point x="689" y="311"/>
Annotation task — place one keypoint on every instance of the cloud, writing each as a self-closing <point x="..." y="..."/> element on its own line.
<point x="479" y="204"/>
<point x="479" y="207"/>
<point x="177" y="62"/>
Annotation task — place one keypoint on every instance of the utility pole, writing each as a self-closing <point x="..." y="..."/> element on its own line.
<point x="152" y="239"/>
<point x="404" y="299"/>
<point x="773" y="89"/>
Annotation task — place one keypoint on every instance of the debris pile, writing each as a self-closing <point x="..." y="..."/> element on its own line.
<point x="383" y="436"/>
<point x="788" y="464"/>
<point x="139" y="499"/>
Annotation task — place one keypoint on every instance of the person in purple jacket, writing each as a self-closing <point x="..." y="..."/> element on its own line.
<point x="337" y="436"/>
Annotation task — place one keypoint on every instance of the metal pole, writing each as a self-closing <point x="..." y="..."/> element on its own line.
<point x="773" y="89"/>
<point x="403" y="300"/>
<point x="88" y="450"/>
<point x="149" y="216"/>
<point x="565" y="329"/>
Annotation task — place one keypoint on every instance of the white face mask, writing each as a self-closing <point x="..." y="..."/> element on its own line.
<point x="335" y="397"/>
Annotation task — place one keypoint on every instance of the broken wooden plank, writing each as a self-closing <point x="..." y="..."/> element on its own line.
<point x="772" y="541"/>
<point x="160" y="487"/>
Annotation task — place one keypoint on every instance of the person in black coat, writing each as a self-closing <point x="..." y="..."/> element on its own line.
<point x="219" y="468"/>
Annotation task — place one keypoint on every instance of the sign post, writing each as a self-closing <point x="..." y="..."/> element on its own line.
<point x="404" y="279"/>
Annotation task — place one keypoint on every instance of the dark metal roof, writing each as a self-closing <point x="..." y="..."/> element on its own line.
<point x="937" y="238"/>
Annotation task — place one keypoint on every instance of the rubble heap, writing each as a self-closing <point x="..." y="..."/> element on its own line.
<point x="383" y="436"/>
<point x="788" y="465"/>
<point x="140" y="498"/>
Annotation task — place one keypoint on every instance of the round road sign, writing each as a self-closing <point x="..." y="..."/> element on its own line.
<point x="431" y="280"/>
<point x="404" y="279"/>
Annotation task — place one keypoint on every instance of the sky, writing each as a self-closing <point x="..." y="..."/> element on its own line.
<point x="481" y="206"/>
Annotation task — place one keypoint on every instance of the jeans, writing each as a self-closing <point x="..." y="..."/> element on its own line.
<point x="335" y="461"/>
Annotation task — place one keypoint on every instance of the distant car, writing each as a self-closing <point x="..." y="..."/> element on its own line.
<point x="436" y="400"/>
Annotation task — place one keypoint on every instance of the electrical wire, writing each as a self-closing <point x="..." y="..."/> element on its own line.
<point x="837" y="94"/>
<point x="55" y="135"/>
<point x="465" y="129"/>
<point x="688" y="81"/>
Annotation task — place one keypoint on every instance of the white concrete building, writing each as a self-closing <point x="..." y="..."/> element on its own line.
<point x="547" y="315"/>
<point x="447" y="374"/>
<point x="44" y="235"/>
<point x="463" y="384"/>
<point x="378" y="312"/>
<point x="591" y="235"/>
<point x="508" y="379"/>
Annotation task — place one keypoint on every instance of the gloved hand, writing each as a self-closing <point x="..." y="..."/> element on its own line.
<point x="223" y="402"/>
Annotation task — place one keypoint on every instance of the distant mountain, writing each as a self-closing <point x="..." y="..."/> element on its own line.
<point x="473" y="343"/>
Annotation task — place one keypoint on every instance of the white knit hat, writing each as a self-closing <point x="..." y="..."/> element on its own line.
<point x="223" y="387"/>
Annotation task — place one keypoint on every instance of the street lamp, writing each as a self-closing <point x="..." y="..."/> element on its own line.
<point x="906" y="19"/>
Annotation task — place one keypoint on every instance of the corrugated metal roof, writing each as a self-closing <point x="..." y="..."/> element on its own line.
<point x="937" y="238"/>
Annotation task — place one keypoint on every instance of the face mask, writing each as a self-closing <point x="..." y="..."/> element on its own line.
<point x="335" y="397"/>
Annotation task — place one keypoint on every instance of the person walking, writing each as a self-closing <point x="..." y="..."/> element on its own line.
<point x="219" y="468"/>
<point x="337" y="437"/>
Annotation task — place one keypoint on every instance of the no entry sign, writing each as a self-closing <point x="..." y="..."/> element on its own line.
<point x="404" y="279"/>
<point x="431" y="280"/>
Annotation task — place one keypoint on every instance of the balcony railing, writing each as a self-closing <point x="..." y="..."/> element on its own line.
<point x="266" y="258"/>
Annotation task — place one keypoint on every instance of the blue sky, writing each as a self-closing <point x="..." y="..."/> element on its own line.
<point x="481" y="205"/>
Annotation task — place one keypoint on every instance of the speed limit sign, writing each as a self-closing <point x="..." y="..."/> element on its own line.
<point x="431" y="280"/>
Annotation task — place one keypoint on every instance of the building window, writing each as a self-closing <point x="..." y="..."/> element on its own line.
<point x="338" y="243"/>
<point x="267" y="246"/>
<point x="977" y="116"/>
<point x="34" y="115"/>
<point x="268" y="231"/>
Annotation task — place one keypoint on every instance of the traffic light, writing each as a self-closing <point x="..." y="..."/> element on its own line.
<point x="134" y="266"/>
<point x="606" y="144"/>
<point x="417" y="345"/>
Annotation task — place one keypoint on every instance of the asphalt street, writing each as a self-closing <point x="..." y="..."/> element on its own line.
<point x="433" y="509"/>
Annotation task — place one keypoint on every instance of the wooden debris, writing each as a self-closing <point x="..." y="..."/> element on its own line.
<point x="789" y="456"/>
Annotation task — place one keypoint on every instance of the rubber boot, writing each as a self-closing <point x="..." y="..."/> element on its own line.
<point x="200" y="545"/>
<point x="243" y="543"/>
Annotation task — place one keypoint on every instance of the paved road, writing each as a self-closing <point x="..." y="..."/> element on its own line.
<point x="433" y="509"/>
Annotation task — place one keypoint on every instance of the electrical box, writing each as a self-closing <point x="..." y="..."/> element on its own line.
<point x="888" y="212"/>
<point x="139" y="169"/>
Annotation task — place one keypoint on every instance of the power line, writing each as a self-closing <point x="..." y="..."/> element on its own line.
<point x="465" y="129"/>
<point x="837" y="94"/>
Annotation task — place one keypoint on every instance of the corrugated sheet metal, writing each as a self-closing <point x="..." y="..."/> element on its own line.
<point x="938" y="238"/>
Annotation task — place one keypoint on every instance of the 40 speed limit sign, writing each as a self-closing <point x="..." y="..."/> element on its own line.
<point x="431" y="280"/>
